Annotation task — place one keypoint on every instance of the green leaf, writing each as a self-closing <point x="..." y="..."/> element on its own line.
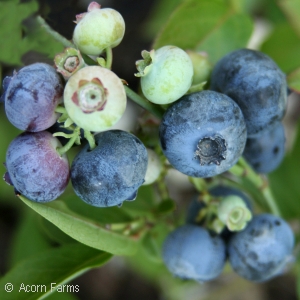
<point x="102" y="215"/>
<point x="29" y="239"/>
<point x="54" y="233"/>
<point x="12" y="13"/>
<point x="284" y="182"/>
<point x="49" y="270"/>
<point x="291" y="9"/>
<point x="38" y="39"/>
<point x="158" y="15"/>
<point x="293" y="80"/>
<point x="82" y="229"/>
<point x="211" y="26"/>
<point x="166" y="206"/>
<point x="143" y="205"/>
<point x="153" y="241"/>
<point x="283" y="46"/>
<point x="62" y="296"/>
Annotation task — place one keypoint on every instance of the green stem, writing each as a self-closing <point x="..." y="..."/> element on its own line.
<point x="243" y="170"/>
<point x="68" y="145"/>
<point x="154" y="109"/>
<point x="90" y="138"/>
<point x="196" y="88"/>
<point x="54" y="33"/>
<point x="60" y="109"/>
<point x="109" y="57"/>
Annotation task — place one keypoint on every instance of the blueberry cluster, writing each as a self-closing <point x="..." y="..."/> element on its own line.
<point x="258" y="86"/>
<point x="260" y="251"/>
<point x="106" y="175"/>
<point x="202" y="133"/>
<point x="75" y="105"/>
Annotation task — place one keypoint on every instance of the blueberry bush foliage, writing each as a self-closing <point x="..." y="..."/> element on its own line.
<point x="241" y="214"/>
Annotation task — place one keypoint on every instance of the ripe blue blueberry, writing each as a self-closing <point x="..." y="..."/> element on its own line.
<point x="31" y="96"/>
<point x="191" y="252"/>
<point x="262" y="250"/>
<point x="203" y="134"/>
<point x="35" y="168"/>
<point x="265" y="152"/>
<point x="256" y="83"/>
<point x="112" y="172"/>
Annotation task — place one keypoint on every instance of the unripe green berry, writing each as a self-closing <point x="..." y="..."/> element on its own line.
<point x="95" y="98"/>
<point x="233" y="212"/>
<point x="166" y="74"/>
<point x="201" y="65"/>
<point x="98" y="29"/>
<point x="68" y="62"/>
<point x="154" y="167"/>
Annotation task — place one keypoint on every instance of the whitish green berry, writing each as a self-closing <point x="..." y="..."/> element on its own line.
<point x="166" y="74"/>
<point x="98" y="29"/>
<point x="154" y="167"/>
<point x="95" y="98"/>
<point x="202" y="66"/>
<point x="233" y="212"/>
<point x="68" y="62"/>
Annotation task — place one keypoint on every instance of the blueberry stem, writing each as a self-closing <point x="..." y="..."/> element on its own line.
<point x="54" y="33"/>
<point x="154" y="109"/>
<point x="90" y="138"/>
<point x="70" y="143"/>
<point x="109" y="57"/>
<point x="60" y="109"/>
<point x="196" y="88"/>
<point x="243" y="170"/>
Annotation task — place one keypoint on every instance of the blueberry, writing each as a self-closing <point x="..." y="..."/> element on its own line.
<point x="265" y="152"/>
<point x="220" y="191"/>
<point x="95" y="98"/>
<point x="35" y="168"/>
<point x="166" y="74"/>
<point x="191" y="252"/>
<point x="262" y="250"/>
<point x="98" y="29"/>
<point x="31" y="96"/>
<point x="203" y="134"/>
<point x="217" y="191"/>
<point x="224" y="191"/>
<point x="256" y="83"/>
<point x="112" y="172"/>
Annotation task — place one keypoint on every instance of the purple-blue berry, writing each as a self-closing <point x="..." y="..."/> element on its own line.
<point x="203" y="134"/>
<point x="191" y="252"/>
<point x="265" y="152"/>
<point x="256" y="83"/>
<point x="35" y="168"/>
<point x="263" y="249"/>
<point x="31" y="96"/>
<point x="112" y="172"/>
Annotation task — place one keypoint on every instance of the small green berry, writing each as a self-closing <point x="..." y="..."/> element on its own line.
<point x="201" y="65"/>
<point x="233" y="212"/>
<point x="166" y="74"/>
<point x="154" y="167"/>
<point x="98" y="29"/>
<point x="68" y="62"/>
<point x="95" y="98"/>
